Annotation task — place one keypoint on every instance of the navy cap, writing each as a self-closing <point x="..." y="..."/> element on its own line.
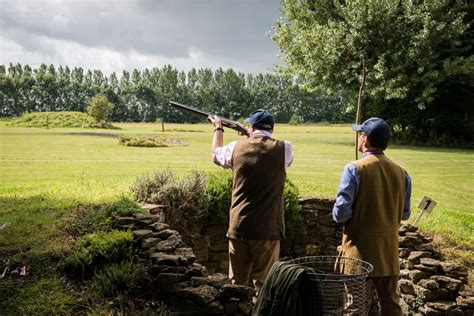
<point x="376" y="129"/>
<point x="261" y="119"/>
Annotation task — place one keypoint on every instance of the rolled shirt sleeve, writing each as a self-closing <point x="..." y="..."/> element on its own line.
<point x="222" y="156"/>
<point x="347" y="192"/>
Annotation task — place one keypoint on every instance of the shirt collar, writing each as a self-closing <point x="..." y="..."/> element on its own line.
<point x="261" y="132"/>
<point x="372" y="152"/>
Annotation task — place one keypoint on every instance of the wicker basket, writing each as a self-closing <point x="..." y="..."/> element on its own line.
<point x="341" y="283"/>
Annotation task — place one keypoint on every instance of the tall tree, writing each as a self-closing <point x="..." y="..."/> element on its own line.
<point x="411" y="50"/>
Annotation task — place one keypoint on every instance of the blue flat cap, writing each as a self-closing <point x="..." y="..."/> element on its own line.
<point x="261" y="119"/>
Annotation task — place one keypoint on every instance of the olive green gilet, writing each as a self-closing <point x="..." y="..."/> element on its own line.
<point x="372" y="232"/>
<point x="258" y="166"/>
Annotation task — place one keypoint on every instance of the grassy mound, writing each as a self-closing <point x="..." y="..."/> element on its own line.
<point x="58" y="119"/>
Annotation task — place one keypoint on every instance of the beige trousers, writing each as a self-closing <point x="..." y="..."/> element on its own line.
<point x="252" y="259"/>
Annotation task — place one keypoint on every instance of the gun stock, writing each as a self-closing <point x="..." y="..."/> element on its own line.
<point x="225" y="122"/>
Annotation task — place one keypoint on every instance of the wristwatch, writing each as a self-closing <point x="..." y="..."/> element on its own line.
<point x="219" y="129"/>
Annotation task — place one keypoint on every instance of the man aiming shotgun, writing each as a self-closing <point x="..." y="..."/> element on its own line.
<point x="256" y="221"/>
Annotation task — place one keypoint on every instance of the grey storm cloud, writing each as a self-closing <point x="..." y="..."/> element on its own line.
<point x="231" y="30"/>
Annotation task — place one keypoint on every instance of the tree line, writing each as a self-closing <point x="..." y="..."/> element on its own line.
<point x="144" y="95"/>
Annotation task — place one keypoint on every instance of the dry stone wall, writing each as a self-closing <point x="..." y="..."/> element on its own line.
<point x="191" y="271"/>
<point x="177" y="279"/>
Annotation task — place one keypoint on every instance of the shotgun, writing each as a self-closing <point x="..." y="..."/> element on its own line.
<point x="225" y="122"/>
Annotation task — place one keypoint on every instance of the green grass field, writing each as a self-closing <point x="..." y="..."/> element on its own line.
<point x="47" y="173"/>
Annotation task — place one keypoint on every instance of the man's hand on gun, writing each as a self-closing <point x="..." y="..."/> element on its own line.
<point x="215" y="120"/>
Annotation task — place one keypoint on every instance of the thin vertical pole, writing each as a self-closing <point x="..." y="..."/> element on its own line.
<point x="359" y="101"/>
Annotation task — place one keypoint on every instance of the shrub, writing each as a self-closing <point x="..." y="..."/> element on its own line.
<point x="219" y="189"/>
<point x="294" y="120"/>
<point x="114" y="279"/>
<point x="125" y="206"/>
<point x="100" y="107"/>
<point x="186" y="198"/>
<point x="292" y="205"/>
<point x="94" y="250"/>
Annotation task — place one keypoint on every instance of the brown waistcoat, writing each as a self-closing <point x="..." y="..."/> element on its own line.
<point x="372" y="232"/>
<point x="258" y="166"/>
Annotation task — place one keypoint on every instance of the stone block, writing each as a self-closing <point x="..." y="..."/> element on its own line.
<point x="428" y="284"/>
<point x="465" y="302"/>
<point x="150" y="242"/>
<point x="406" y="286"/>
<point x="434" y="294"/>
<point x="425" y="247"/>
<point x="404" y="252"/>
<point x="161" y="258"/>
<point x="317" y="204"/>
<point x="166" y="233"/>
<point x="447" y="282"/>
<point x="415" y="256"/>
<point x="155" y="270"/>
<point x="442" y="305"/>
<point x="417" y="275"/>
<point x="203" y="294"/>
<point x="406" y="228"/>
<point x="241" y="292"/>
<point x="169" y="278"/>
<point x="197" y="270"/>
<point x="157" y="227"/>
<point x="142" y="233"/>
<point x="154" y="208"/>
<point x="453" y="269"/>
<point x="409" y="241"/>
<point x="169" y="245"/>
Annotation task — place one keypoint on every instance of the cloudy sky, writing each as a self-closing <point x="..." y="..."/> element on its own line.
<point x="113" y="35"/>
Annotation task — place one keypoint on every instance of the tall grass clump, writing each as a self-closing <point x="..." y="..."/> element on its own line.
<point x="115" y="279"/>
<point x="186" y="198"/>
<point x="98" y="249"/>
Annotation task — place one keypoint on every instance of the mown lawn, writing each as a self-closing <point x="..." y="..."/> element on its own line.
<point x="47" y="172"/>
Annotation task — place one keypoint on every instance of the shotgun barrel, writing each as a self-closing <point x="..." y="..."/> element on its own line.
<point x="225" y="122"/>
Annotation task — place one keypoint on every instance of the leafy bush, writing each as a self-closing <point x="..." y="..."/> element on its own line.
<point x="113" y="279"/>
<point x="125" y="206"/>
<point x="58" y="120"/>
<point x="219" y="190"/>
<point x="294" y="120"/>
<point x="94" y="250"/>
<point x="292" y="204"/>
<point x="186" y="198"/>
<point x="100" y="107"/>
